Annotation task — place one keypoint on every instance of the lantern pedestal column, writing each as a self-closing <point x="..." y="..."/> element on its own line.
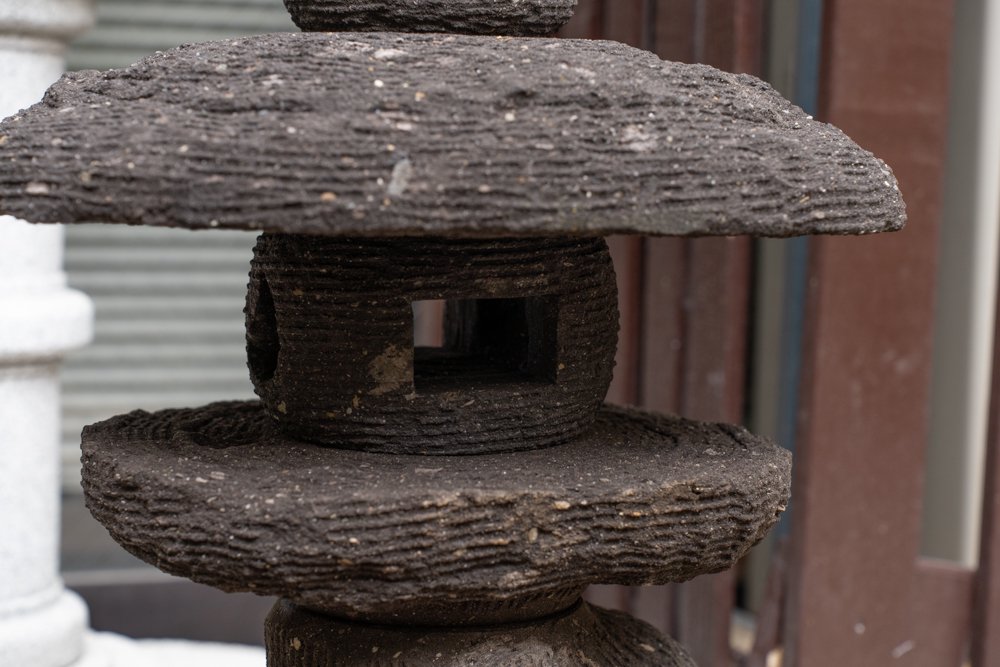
<point x="41" y="623"/>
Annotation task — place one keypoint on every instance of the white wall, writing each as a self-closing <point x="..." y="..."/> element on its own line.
<point x="967" y="276"/>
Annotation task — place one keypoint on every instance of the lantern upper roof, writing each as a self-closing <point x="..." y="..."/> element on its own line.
<point x="420" y="134"/>
<point x="472" y="17"/>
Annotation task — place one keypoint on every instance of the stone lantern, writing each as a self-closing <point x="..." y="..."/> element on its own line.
<point x="435" y="505"/>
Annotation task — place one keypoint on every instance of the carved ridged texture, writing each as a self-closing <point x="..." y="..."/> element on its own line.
<point x="585" y="636"/>
<point x="330" y="341"/>
<point x="218" y="495"/>
<point x="403" y="134"/>
<point x="473" y="17"/>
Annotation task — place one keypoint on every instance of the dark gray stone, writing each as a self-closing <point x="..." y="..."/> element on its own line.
<point x="219" y="495"/>
<point x="530" y="346"/>
<point x="473" y="17"/>
<point x="391" y="134"/>
<point x="582" y="636"/>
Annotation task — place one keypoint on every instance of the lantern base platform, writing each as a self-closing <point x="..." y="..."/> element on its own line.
<point x="581" y="635"/>
<point x="220" y="495"/>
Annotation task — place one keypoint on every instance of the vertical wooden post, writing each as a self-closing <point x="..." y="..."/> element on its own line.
<point x="694" y="311"/>
<point x="623" y="21"/>
<point x="714" y="313"/>
<point x="713" y="382"/>
<point x="859" y="470"/>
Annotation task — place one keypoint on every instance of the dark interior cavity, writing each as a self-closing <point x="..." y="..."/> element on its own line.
<point x="486" y="341"/>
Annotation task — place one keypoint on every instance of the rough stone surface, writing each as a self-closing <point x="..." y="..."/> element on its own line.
<point x="583" y="635"/>
<point x="527" y="359"/>
<point x="393" y="134"/>
<point x="218" y="495"/>
<point x="471" y="17"/>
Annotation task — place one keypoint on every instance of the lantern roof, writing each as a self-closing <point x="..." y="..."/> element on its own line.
<point x="433" y="134"/>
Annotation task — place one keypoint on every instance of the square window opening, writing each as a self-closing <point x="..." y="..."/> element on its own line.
<point x="474" y="342"/>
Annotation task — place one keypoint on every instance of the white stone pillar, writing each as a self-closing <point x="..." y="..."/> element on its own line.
<point x="41" y="624"/>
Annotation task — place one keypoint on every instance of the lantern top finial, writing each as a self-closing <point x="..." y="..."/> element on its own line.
<point x="523" y="18"/>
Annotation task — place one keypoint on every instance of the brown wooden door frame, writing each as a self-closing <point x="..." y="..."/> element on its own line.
<point x="859" y="593"/>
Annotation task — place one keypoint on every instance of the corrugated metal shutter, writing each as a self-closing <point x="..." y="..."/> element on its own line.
<point x="127" y="30"/>
<point x="169" y="328"/>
